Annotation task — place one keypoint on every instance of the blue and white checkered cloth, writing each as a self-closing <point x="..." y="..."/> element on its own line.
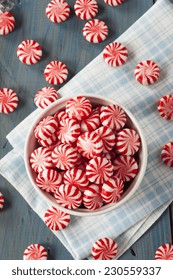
<point x="150" y="37"/>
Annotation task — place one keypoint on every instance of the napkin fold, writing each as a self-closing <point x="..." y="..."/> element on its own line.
<point x="150" y="37"/>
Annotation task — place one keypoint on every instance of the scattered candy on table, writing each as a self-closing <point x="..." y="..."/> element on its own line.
<point x="35" y="252"/>
<point x="104" y="249"/>
<point x="165" y="107"/>
<point x="115" y="54"/>
<point x="57" y="11"/>
<point x="147" y="72"/>
<point x="7" y="23"/>
<point x="95" y="31"/>
<point x="56" y="219"/>
<point x="29" y="52"/>
<point x="1" y="201"/>
<point x="8" y="100"/>
<point x="167" y="154"/>
<point x="45" y="96"/>
<point x="164" y="252"/>
<point x="86" y="9"/>
<point x="56" y="72"/>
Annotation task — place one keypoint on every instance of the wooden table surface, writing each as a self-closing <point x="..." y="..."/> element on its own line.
<point x="19" y="224"/>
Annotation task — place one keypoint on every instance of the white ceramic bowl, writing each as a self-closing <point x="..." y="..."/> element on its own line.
<point x="31" y="143"/>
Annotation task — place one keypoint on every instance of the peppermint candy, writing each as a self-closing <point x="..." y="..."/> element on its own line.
<point x="46" y="128"/>
<point x="68" y="196"/>
<point x="60" y="116"/>
<point x="56" y="72"/>
<point x="114" y="2"/>
<point x="86" y="9"/>
<point x="29" y="52"/>
<point x="1" y="201"/>
<point x="45" y="96"/>
<point x="167" y="154"/>
<point x="76" y="177"/>
<point x="35" y="252"/>
<point x="108" y="138"/>
<point x="113" y="116"/>
<point x="41" y="159"/>
<point x="164" y="252"/>
<point x="112" y="189"/>
<point x="68" y="131"/>
<point x="48" y="180"/>
<point x="90" y="145"/>
<point x="104" y="249"/>
<point x="91" y="197"/>
<point x="49" y="142"/>
<point x="99" y="170"/>
<point x="95" y="31"/>
<point x="127" y="141"/>
<point x="165" y="107"/>
<point x="8" y="100"/>
<point x="64" y="156"/>
<point x="7" y="23"/>
<point x="125" y="167"/>
<point x="56" y="219"/>
<point x="78" y="107"/>
<point x="91" y="123"/>
<point x="57" y="11"/>
<point x="147" y="72"/>
<point x="115" y="54"/>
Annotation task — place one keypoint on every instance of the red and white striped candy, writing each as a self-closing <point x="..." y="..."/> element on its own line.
<point x="8" y="100"/>
<point x="113" y="116"/>
<point x="86" y="9"/>
<point x="1" y="201"/>
<point x="114" y="2"/>
<point x="89" y="144"/>
<point x="108" y="138"/>
<point x="115" y="54"/>
<point x="58" y="11"/>
<point x="147" y="72"/>
<point x="104" y="249"/>
<point x="91" y="122"/>
<point x="29" y="52"/>
<point x="60" y="116"/>
<point x="167" y="154"/>
<point x="99" y="170"/>
<point x="56" y="72"/>
<point x="45" y="96"/>
<point x="164" y="252"/>
<point x="111" y="155"/>
<point x="7" y="23"/>
<point x="91" y="197"/>
<point x="56" y="219"/>
<point x="127" y="142"/>
<point x="35" y="252"/>
<point x="69" y="196"/>
<point x="64" y="156"/>
<point x="76" y="177"/>
<point x="48" y="180"/>
<point x="46" y="128"/>
<point x="95" y="31"/>
<point x="78" y="107"/>
<point x="41" y="159"/>
<point x="69" y="131"/>
<point x="49" y="142"/>
<point x="112" y="190"/>
<point x="125" y="167"/>
<point x="165" y="107"/>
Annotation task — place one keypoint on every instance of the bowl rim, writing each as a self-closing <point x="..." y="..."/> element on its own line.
<point x="105" y="208"/>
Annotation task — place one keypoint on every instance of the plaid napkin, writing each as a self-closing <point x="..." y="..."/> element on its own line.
<point x="150" y="37"/>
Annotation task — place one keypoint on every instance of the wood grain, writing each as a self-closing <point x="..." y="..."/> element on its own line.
<point x="19" y="225"/>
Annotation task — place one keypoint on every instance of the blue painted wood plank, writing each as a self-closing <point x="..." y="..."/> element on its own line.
<point x="19" y="225"/>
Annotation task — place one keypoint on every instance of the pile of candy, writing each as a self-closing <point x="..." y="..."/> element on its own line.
<point x="86" y="154"/>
